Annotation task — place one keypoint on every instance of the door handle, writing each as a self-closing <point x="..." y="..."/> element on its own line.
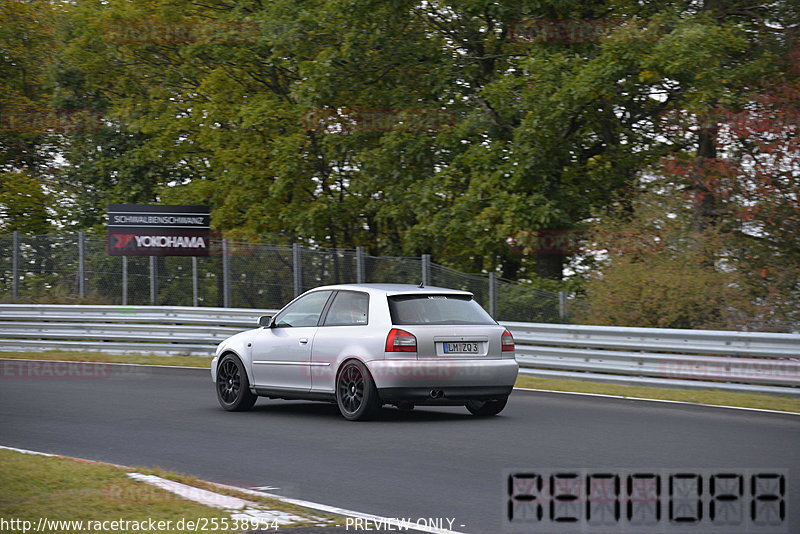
<point x="303" y="340"/>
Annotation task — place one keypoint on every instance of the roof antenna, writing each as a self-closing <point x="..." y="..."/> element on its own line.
<point x="421" y="285"/>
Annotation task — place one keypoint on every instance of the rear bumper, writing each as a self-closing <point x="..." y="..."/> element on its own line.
<point x="445" y="395"/>
<point x="456" y="379"/>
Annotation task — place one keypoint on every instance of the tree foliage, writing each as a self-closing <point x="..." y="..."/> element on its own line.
<point x="449" y="128"/>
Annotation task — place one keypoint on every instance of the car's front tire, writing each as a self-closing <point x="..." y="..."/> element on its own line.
<point x="356" y="394"/>
<point x="233" y="388"/>
<point x="486" y="408"/>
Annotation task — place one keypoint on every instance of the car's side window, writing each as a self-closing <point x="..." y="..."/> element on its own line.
<point x="303" y="312"/>
<point x="349" y="308"/>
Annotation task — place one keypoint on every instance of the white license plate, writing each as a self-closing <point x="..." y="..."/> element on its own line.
<point x="460" y="348"/>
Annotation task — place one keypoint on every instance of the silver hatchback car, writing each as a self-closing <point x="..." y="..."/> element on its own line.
<point x="366" y="345"/>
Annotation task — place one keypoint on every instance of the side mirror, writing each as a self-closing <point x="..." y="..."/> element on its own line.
<point x="265" y="321"/>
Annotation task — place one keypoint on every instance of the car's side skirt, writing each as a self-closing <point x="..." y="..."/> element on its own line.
<point x="294" y="394"/>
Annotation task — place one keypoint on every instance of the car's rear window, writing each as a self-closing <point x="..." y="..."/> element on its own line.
<point x="437" y="309"/>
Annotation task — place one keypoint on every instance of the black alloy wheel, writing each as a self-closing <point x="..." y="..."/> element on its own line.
<point x="233" y="388"/>
<point x="356" y="394"/>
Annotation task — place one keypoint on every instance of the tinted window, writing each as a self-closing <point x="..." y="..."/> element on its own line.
<point x="303" y="312"/>
<point x="348" y="308"/>
<point x="437" y="309"/>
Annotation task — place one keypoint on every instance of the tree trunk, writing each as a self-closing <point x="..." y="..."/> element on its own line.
<point x="550" y="265"/>
<point x="702" y="182"/>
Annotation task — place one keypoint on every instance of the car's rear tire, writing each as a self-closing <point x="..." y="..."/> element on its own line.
<point x="233" y="388"/>
<point x="486" y="408"/>
<point x="356" y="394"/>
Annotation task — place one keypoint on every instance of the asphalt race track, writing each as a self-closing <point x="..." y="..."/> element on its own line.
<point x="429" y="463"/>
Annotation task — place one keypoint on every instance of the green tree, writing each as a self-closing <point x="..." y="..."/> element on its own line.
<point x="300" y="120"/>
<point x="23" y="204"/>
<point x="26" y="120"/>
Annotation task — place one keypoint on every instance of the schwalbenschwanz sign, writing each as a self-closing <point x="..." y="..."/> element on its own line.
<point x="137" y="230"/>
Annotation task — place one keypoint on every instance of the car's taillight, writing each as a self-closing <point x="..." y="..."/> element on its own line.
<point x="400" y="341"/>
<point x="508" y="342"/>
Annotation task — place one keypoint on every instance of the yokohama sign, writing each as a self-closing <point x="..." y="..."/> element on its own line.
<point x="136" y="230"/>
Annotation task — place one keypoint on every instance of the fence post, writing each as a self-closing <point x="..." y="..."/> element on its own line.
<point x="81" y="266"/>
<point x="15" y="265"/>
<point x="426" y="268"/>
<point x="298" y="268"/>
<point x="493" y="295"/>
<point x="360" y="265"/>
<point x="562" y="306"/>
<point x="153" y="284"/>
<point x="124" y="280"/>
<point x="194" y="281"/>
<point x="226" y="274"/>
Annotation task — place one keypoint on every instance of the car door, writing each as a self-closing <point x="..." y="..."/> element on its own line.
<point x="282" y="352"/>
<point x="344" y="332"/>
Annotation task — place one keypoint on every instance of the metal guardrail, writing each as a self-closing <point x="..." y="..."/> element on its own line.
<point x="705" y="359"/>
<point x="735" y="361"/>
<point x="162" y="330"/>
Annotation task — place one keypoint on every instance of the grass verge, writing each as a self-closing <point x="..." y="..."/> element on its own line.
<point x="61" y="489"/>
<point x="146" y="359"/>
<point x="716" y="397"/>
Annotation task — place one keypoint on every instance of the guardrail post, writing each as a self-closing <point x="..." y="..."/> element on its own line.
<point x="226" y="274"/>
<point x="298" y="268"/>
<point x="493" y="295"/>
<point x="153" y="284"/>
<point x="124" y="280"/>
<point x="360" y="265"/>
<point x="426" y="269"/>
<point x="194" y="281"/>
<point x="81" y="266"/>
<point x="15" y="265"/>
<point x="562" y="306"/>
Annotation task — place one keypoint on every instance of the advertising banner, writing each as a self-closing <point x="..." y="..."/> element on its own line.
<point x="141" y="230"/>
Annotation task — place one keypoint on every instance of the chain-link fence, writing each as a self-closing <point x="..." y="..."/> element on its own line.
<point x="77" y="268"/>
